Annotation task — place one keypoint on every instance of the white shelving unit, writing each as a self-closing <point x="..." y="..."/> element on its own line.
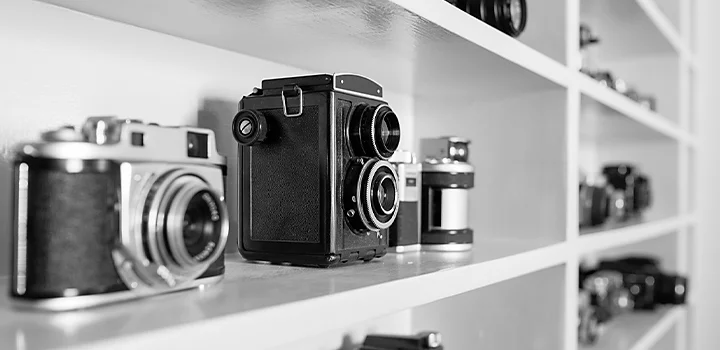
<point x="534" y="121"/>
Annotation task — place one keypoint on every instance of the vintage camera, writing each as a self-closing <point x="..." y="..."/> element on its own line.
<point x="587" y="37"/>
<point x="599" y="202"/>
<point x="447" y="178"/>
<point x="116" y="211"/>
<point x="648" y="101"/>
<point x="634" y="185"/>
<point x="602" y="76"/>
<point x="405" y="231"/>
<point x="649" y="286"/>
<point x="420" y="341"/>
<point x="315" y="185"/>
<point x="607" y="294"/>
<point x="507" y="16"/>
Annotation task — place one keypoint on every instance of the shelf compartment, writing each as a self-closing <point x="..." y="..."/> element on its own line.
<point x="403" y="44"/>
<point x="257" y="300"/>
<point x="625" y="118"/>
<point x="638" y="330"/>
<point x="622" y="235"/>
<point x="523" y="313"/>
<point x="631" y="28"/>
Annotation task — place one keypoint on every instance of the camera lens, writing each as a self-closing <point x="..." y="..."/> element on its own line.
<point x="374" y="131"/>
<point x="385" y="194"/>
<point x="370" y="196"/>
<point x="184" y="224"/>
<point x="201" y="224"/>
<point x="508" y="16"/>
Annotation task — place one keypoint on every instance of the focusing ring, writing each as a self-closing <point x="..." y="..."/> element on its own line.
<point x="362" y="181"/>
<point x="366" y="131"/>
<point x="499" y="14"/>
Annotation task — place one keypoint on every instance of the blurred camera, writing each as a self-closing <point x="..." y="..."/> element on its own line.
<point x="607" y="294"/>
<point x="420" y="341"/>
<point x="507" y="16"/>
<point x="447" y="178"/>
<point x="405" y="231"/>
<point x="599" y="202"/>
<point x="316" y="186"/>
<point x="634" y="185"/>
<point x="116" y="211"/>
<point x="649" y="286"/>
<point x="587" y="37"/>
<point x="602" y="76"/>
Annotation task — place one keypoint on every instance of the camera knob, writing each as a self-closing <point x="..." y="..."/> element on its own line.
<point x="249" y="127"/>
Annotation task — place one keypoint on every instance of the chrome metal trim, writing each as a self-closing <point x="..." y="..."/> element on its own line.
<point x="21" y="240"/>
<point x="333" y="159"/>
<point x="450" y="247"/>
<point x="368" y="193"/>
<point x="360" y="94"/>
<point x="372" y="131"/>
<point x="86" y="301"/>
<point x="284" y="103"/>
<point x="402" y="249"/>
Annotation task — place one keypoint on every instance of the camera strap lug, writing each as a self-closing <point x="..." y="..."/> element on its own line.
<point x="291" y="91"/>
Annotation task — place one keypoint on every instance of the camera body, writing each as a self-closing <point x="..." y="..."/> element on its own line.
<point x="607" y="294"/>
<point x="599" y="202"/>
<point x="316" y="188"/>
<point x="447" y="179"/>
<point x="421" y="341"/>
<point x="405" y="231"/>
<point x="648" y="284"/>
<point x="116" y="211"/>
<point x="634" y="185"/>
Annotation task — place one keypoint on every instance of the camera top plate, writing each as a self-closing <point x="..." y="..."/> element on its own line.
<point x="349" y="83"/>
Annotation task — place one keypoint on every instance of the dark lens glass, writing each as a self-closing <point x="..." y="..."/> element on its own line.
<point x="201" y="225"/>
<point x="197" y="145"/>
<point x="385" y="194"/>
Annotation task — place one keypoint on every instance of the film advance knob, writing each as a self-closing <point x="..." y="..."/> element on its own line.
<point x="249" y="127"/>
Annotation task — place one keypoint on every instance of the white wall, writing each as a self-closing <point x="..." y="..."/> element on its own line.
<point x="706" y="284"/>
<point x="58" y="67"/>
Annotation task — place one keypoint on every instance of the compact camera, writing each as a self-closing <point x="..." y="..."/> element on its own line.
<point x="316" y="187"/>
<point x="634" y="185"/>
<point x="420" y="341"/>
<point x="507" y="16"/>
<point x="115" y="211"/>
<point x="607" y="294"/>
<point x="587" y="37"/>
<point x="405" y="231"/>
<point x="649" y="286"/>
<point x="447" y="179"/>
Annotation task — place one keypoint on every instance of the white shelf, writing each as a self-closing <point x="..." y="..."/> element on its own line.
<point x="403" y="44"/>
<point x="665" y="27"/>
<point x="639" y="330"/>
<point x="619" y="235"/>
<point x="632" y="110"/>
<point x="256" y="301"/>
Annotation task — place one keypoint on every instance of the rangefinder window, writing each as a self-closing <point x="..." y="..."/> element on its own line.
<point x="197" y="145"/>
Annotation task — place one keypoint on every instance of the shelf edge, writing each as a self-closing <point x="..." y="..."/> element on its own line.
<point x="604" y="240"/>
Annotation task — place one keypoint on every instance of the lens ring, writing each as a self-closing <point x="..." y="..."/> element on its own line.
<point x="383" y="115"/>
<point x="366" y="189"/>
<point x="385" y="189"/>
<point x="158" y="203"/>
<point x="175" y="226"/>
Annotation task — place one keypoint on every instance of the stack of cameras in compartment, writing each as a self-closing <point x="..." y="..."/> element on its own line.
<point x="118" y="209"/>
<point x="605" y="77"/>
<point x="619" y="194"/>
<point x="613" y="287"/>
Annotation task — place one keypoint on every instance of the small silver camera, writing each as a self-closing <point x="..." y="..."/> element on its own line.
<point x="114" y="211"/>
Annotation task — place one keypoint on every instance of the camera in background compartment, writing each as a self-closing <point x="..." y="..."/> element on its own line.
<point x="620" y="193"/>
<point x="420" y="341"/>
<point x="447" y="179"/>
<point x="405" y="231"/>
<point x="507" y="16"/>
<point x="116" y="211"/>
<point x="316" y="187"/>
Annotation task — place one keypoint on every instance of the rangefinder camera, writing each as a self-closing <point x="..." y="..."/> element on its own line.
<point x="114" y="211"/>
<point x="316" y="186"/>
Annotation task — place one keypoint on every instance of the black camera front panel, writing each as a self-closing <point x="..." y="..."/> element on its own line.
<point x="285" y="181"/>
<point x="66" y="225"/>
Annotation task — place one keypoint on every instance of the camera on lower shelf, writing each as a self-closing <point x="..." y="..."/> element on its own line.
<point x="420" y="341"/>
<point x="616" y="286"/>
<point x="507" y="16"/>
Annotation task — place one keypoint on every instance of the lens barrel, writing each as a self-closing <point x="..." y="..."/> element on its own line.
<point x="374" y="131"/>
<point x="370" y="197"/>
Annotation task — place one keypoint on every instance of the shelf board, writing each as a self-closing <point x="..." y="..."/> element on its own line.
<point x="622" y="234"/>
<point x="638" y="330"/>
<point x="258" y="300"/>
<point x="631" y="119"/>
<point x="403" y="44"/>
<point x="618" y="22"/>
